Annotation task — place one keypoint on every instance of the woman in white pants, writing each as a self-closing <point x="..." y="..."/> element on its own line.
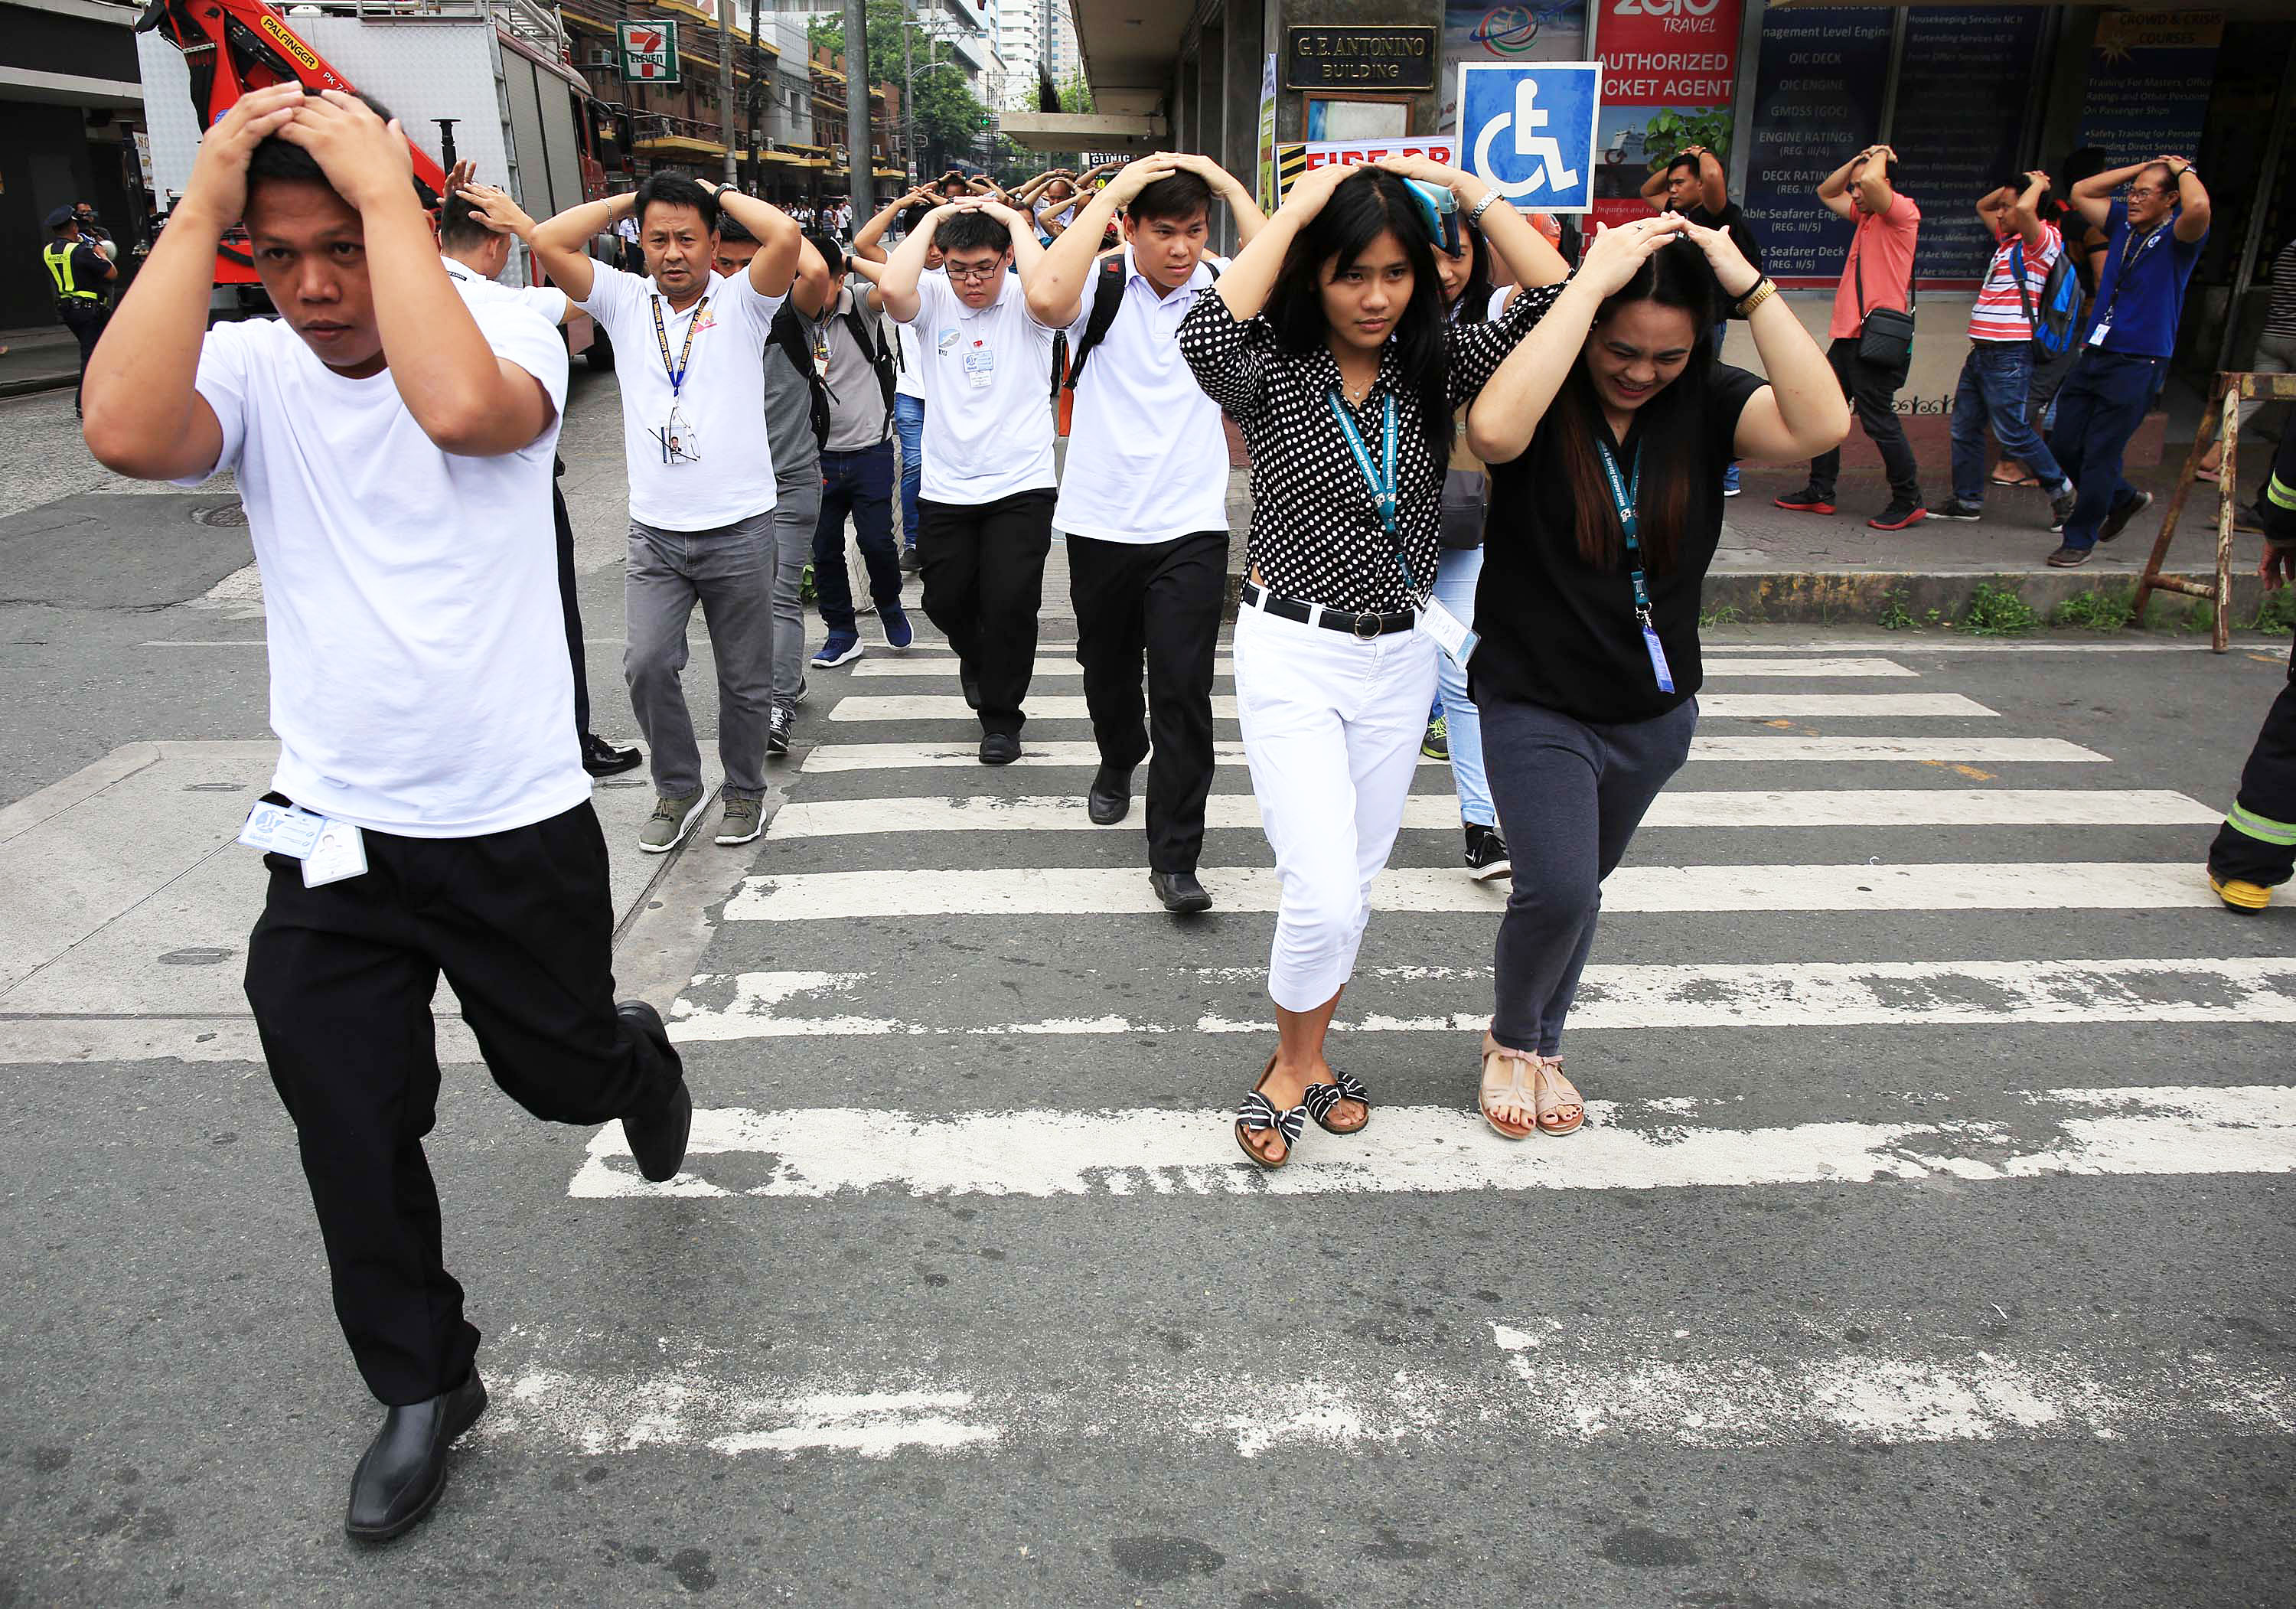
<point x="1344" y="386"/>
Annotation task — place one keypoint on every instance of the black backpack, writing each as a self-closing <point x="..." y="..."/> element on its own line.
<point x="786" y="335"/>
<point x="1107" y="301"/>
<point x="884" y="360"/>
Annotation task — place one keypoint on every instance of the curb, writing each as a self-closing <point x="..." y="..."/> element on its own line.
<point x="1860" y="597"/>
<point x="34" y="384"/>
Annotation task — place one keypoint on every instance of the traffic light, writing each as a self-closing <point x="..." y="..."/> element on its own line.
<point x="986" y="119"/>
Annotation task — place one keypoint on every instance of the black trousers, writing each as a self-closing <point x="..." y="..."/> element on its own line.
<point x="85" y="320"/>
<point x="1159" y="603"/>
<point x="569" y="604"/>
<point x="1873" y="391"/>
<point x="983" y="567"/>
<point x="340" y="978"/>
<point x="2258" y="841"/>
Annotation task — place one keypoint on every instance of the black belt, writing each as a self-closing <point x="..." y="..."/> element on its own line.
<point x="1364" y="624"/>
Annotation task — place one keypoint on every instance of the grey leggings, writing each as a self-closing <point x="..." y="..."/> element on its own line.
<point x="1570" y="796"/>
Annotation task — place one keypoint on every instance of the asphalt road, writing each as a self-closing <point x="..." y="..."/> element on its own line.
<point x="1927" y="1244"/>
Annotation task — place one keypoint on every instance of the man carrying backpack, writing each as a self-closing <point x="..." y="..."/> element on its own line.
<point x="855" y="362"/>
<point x="1145" y="501"/>
<point x="2028" y="300"/>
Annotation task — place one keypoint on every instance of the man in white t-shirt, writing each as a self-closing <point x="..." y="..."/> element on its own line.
<point x="1145" y="501"/>
<point x="393" y="445"/>
<point x="476" y="225"/>
<point x="689" y="349"/>
<point x="985" y="516"/>
<point x="908" y="382"/>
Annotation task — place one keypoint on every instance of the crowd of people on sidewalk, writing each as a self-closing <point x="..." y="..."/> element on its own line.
<point x="1483" y="480"/>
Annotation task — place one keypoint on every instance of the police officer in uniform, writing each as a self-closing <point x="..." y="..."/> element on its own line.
<point x="80" y="271"/>
<point x="2255" y="850"/>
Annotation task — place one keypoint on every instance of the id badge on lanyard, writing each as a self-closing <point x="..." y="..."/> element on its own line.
<point x="2128" y="257"/>
<point x="1430" y="618"/>
<point x="1622" y="493"/>
<point x="679" y="441"/>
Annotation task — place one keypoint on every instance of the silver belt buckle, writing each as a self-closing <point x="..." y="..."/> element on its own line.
<point x="1367" y="618"/>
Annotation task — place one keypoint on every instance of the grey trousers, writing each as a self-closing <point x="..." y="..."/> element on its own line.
<point x="797" y="510"/>
<point x="1570" y="796"/>
<point x="730" y="571"/>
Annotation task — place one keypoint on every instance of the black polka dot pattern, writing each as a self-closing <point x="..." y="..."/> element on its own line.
<point x="1315" y="533"/>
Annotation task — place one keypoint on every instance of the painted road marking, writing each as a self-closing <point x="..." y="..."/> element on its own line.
<point x="1807" y="706"/>
<point x="1624" y="1386"/>
<point x="821" y="1151"/>
<point x="921" y="666"/>
<point x="1818" y="808"/>
<point x="1817" y="994"/>
<point x="1704" y="746"/>
<point x="1095" y="891"/>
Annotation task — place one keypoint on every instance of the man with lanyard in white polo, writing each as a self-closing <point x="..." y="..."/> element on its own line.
<point x="1143" y="496"/>
<point x="700" y="473"/>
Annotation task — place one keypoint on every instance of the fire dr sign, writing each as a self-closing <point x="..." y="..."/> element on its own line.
<point x="649" y="52"/>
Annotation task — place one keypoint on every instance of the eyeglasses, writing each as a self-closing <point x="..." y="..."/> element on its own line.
<point x="2151" y="190"/>
<point x="975" y="275"/>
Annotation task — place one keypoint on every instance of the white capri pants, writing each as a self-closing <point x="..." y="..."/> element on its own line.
<point x="1332" y="728"/>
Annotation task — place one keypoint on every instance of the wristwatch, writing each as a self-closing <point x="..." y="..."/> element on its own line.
<point x="1764" y="289"/>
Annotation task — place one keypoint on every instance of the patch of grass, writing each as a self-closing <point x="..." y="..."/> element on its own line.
<point x="1996" y="610"/>
<point x="2200" y="615"/>
<point x="2276" y="612"/>
<point x="1720" y="614"/>
<point x="1894" y="617"/>
<point x="2100" y="609"/>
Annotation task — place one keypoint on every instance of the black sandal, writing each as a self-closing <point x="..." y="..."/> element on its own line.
<point x="1320" y="1099"/>
<point x="1258" y="1114"/>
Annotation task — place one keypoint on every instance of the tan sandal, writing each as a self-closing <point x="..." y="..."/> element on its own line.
<point x="1258" y="1114"/>
<point x="1556" y="1096"/>
<point x="1509" y="1080"/>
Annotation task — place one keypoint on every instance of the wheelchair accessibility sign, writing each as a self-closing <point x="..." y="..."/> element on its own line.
<point x="1526" y="129"/>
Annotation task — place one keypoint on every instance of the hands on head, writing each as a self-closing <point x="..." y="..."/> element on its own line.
<point x="1615" y="256"/>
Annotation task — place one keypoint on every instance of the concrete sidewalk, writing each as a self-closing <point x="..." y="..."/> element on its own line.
<point x="44" y="358"/>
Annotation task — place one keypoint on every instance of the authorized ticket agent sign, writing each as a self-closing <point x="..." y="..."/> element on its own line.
<point x="1526" y="129"/>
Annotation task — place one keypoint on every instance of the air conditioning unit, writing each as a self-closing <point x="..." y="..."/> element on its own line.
<point x="598" y="56"/>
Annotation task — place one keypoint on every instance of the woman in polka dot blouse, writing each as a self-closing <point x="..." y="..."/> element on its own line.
<point x="1328" y="345"/>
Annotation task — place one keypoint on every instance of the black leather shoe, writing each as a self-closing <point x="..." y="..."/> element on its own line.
<point x="1181" y="893"/>
<point x="404" y="1471"/>
<point x="658" y="1136"/>
<point x="999" y="749"/>
<point x="1110" y="797"/>
<point x="603" y="759"/>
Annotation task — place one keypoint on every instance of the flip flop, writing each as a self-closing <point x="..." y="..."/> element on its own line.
<point x="1999" y="479"/>
<point x="1258" y="1114"/>
<point x="1320" y="1099"/>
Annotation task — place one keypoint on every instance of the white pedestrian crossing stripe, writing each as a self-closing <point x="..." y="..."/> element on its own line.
<point x="1808" y="706"/>
<point x="1691" y="807"/>
<point x="1761" y="749"/>
<point x="1094" y="891"/>
<point x="826" y="1151"/>
<point x="1802" y="994"/>
<point x="920" y="667"/>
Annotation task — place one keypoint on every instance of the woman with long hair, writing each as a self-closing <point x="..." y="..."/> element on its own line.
<point x="1327" y="342"/>
<point x="1607" y="430"/>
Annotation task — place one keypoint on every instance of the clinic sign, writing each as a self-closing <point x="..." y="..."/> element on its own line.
<point x="1392" y="59"/>
<point x="1527" y="130"/>
<point x="649" y="51"/>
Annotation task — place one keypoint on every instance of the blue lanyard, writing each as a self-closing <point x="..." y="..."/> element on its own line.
<point x="677" y="372"/>
<point x="1622" y="493"/>
<point x="2131" y="248"/>
<point x="1381" y="479"/>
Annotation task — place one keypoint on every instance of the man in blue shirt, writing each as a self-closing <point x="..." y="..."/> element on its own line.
<point x="2156" y="234"/>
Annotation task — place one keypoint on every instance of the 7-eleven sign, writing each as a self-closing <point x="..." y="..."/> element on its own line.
<point x="649" y="52"/>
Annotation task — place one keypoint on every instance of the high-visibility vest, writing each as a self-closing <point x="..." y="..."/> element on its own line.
<point x="58" y="256"/>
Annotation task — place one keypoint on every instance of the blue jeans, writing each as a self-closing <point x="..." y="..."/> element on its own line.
<point x="859" y="483"/>
<point x="909" y="424"/>
<point x="1995" y="379"/>
<point x="1456" y="574"/>
<point x="2102" y="402"/>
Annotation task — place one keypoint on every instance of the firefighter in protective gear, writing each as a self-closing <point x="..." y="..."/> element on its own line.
<point x="78" y="271"/>
<point x="2255" y="850"/>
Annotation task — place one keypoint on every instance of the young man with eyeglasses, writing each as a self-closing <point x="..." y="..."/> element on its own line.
<point x="692" y="372"/>
<point x="985" y="516"/>
<point x="2156" y="234"/>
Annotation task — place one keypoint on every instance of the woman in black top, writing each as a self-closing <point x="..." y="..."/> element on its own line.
<point x="1607" y="432"/>
<point x="1348" y="380"/>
